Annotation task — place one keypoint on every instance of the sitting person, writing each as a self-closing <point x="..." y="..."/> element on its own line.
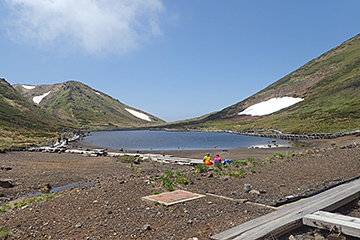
<point x="207" y="160"/>
<point x="217" y="159"/>
<point x="227" y="161"/>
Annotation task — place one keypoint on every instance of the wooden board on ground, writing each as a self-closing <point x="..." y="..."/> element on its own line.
<point x="290" y="217"/>
<point x="170" y="198"/>
<point x="333" y="222"/>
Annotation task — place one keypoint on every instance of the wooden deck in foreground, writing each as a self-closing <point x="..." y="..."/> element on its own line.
<point x="290" y="217"/>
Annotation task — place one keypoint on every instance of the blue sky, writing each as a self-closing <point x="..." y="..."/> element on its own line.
<point x="175" y="59"/>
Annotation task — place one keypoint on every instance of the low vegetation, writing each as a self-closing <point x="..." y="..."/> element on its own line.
<point x="130" y="159"/>
<point x="170" y="180"/>
<point x="20" y="203"/>
<point x="4" y="233"/>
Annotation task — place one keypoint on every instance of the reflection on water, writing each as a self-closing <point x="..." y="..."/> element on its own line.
<point x="164" y="140"/>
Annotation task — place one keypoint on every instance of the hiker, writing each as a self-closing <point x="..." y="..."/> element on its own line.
<point x="217" y="159"/>
<point x="207" y="160"/>
<point x="227" y="161"/>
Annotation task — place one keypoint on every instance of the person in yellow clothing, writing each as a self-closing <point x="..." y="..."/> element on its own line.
<point x="207" y="160"/>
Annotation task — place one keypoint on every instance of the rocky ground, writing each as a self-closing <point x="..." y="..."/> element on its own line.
<point x="113" y="208"/>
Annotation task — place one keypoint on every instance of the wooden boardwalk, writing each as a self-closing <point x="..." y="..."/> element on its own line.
<point x="290" y="217"/>
<point x="334" y="222"/>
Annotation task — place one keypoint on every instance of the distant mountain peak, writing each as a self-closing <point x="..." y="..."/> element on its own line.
<point x="78" y="103"/>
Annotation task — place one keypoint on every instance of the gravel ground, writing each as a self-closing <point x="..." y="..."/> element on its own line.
<point x="113" y="208"/>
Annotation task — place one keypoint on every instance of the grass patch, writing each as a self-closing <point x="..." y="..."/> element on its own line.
<point x="276" y="156"/>
<point x="129" y="159"/>
<point x="4" y="233"/>
<point x="237" y="174"/>
<point x="25" y="201"/>
<point x="169" y="180"/>
<point x="201" y="168"/>
<point x="137" y="169"/>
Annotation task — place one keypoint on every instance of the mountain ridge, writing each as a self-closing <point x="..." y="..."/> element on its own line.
<point x="21" y="122"/>
<point x="328" y="84"/>
<point x="79" y="104"/>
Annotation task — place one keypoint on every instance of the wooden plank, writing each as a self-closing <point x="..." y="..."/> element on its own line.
<point x="290" y="217"/>
<point x="293" y="220"/>
<point x="299" y="208"/>
<point x="333" y="222"/>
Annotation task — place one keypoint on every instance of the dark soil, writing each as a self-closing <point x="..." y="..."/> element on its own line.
<point x="114" y="209"/>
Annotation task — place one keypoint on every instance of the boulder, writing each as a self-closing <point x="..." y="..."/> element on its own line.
<point x="6" y="183"/>
<point x="6" y="168"/>
<point x="46" y="188"/>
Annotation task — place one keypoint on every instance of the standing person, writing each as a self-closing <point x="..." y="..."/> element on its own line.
<point x="217" y="159"/>
<point x="207" y="160"/>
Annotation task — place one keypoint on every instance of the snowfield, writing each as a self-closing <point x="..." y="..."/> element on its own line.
<point x="138" y="114"/>
<point x="270" y="106"/>
<point x="38" y="99"/>
<point x="28" y="87"/>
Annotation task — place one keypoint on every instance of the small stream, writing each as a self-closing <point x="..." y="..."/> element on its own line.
<point x="56" y="189"/>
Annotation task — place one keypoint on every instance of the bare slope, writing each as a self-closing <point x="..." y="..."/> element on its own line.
<point x="79" y="104"/>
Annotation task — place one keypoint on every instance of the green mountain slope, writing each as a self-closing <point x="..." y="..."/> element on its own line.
<point x="81" y="105"/>
<point x="21" y="121"/>
<point x="329" y="85"/>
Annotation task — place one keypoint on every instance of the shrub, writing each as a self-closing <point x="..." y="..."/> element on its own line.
<point x="218" y="166"/>
<point x="182" y="181"/>
<point x="310" y="151"/>
<point x="165" y="180"/>
<point x="169" y="187"/>
<point x="279" y="155"/>
<point x="4" y="232"/>
<point x="137" y="169"/>
<point x="128" y="159"/>
<point x="237" y="163"/>
<point x="169" y="173"/>
<point x="201" y="168"/>
<point x="251" y="160"/>
<point x="237" y="174"/>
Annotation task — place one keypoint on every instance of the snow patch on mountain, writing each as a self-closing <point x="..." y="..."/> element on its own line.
<point x="38" y="99"/>
<point x="270" y="106"/>
<point x="138" y="114"/>
<point x="28" y="87"/>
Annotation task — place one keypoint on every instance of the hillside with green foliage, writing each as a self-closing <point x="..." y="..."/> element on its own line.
<point x="79" y="104"/>
<point x="21" y="122"/>
<point x="329" y="85"/>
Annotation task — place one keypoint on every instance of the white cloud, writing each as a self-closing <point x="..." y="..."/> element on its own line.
<point x="270" y="106"/>
<point x="96" y="26"/>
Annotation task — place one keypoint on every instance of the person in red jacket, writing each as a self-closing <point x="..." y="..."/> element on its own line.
<point x="217" y="159"/>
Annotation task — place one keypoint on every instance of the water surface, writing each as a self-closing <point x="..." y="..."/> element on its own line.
<point x="164" y="140"/>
